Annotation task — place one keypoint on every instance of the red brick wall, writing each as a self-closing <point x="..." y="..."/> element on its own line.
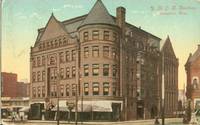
<point x="9" y="81"/>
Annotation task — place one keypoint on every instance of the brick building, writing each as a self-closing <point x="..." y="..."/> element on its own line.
<point x="9" y="81"/>
<point x="113" y="66"/>
<point x="22" y="89"/>
<point x="171" y="78"/>
<point x="193" y="74"/>
<point x="12" y="88"/>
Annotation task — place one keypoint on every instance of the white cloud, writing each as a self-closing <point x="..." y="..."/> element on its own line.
<point x="20" y="15"/>
<point x="72" y="6"/>
<point x="35" y="15"/>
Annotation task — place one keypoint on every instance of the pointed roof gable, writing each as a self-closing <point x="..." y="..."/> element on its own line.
<point x="53" y="29"/>
<point x="98" y="15"/>
<point x="195" y="56"/>
<point x="167" y="47"/>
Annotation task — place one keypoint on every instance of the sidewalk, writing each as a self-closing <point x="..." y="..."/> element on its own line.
<point x="150" y="121"/>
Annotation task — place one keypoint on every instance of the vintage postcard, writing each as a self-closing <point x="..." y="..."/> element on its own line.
<point x="127" y="62"/>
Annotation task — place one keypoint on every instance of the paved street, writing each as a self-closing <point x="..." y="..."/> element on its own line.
<point x="174" y="121"/>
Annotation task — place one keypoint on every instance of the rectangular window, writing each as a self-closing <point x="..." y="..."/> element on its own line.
<point x="61" y="73"/>
<point x="43" y="60"/>
<point x="61" y="90"/>
<point x="43" y="91"/>
<point x="52" y="60"/>
<point x="38" y="76"/>
<point x="61" y="57"/>
<point x="114" y="89"/>
<point x="38" y="61"/>
<point x="34" y="77"/>
<point x="86" y="52"/>
<point x="95" y="88"/>
<point x="34" y="62"/>
<point x="67" y="72"/>
<point x="106" y="35"/>
<point x="74" y="90"/>
<point x="73" y="55"/>
<point x="73" y="71"/>
<point x="86" y="89"/>
<point x="114" y="70"/>
<point x="95" y="35"/>
<point x="34" y="92"/>
<point x="105" y="69"/>
<point x="43" y="75"/>
<point x="85" y="35"/>
<point x="113" y="53"/>
<point x="39" y="92"/>
<point x="105" y="88"/>
<point x="106" y="51"/>
<point x="95" y="69"/>
<point x="67" y="90"/>
<point x="67" y="56"/>
<point x="95" y="51"/>
<point x="86" y="70"/>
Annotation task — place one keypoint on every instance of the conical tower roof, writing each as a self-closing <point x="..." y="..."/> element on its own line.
<point x="98" y="15"/>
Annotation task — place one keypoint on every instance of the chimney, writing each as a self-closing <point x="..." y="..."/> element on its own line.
<point x="121" y="18"/>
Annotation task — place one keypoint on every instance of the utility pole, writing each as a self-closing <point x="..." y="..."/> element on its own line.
<point x="1" y="84"/>
<point x="76" y="106"/>
<point x="58" y="94"/>
<point x="163" y="89"/>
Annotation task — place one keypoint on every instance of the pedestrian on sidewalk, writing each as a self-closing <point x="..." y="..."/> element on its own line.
<point x="156" y="121"/>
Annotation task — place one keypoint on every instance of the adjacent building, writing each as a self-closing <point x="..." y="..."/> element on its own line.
<point x="170" y="78"/>
<point x="113" y="67"/>
<point x="192" y="69"/>
<point x="9" y="81"/>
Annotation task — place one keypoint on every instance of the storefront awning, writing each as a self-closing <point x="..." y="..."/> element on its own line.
<point x="24" y="109"/>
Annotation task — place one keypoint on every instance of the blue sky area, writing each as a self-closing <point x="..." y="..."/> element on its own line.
<point x="180" y="19"/>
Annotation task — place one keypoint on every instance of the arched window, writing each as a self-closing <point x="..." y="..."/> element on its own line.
<point x="195" y="82"/>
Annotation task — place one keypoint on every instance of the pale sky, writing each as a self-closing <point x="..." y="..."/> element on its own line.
<point x="180" y="19"/>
